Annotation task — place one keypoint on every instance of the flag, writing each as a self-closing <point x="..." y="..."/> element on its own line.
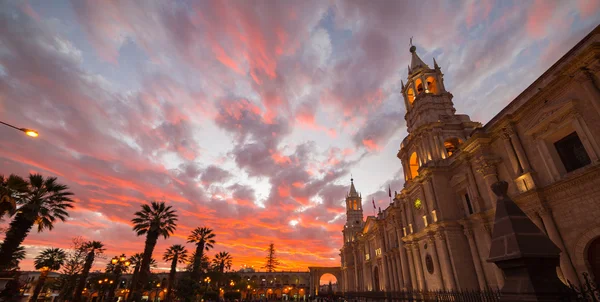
<point x="374" y="206"/>
<point x="390" y="190"/>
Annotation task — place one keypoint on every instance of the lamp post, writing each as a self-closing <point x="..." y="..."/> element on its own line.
<point x="207" y="280"/>
<point x="157" y="292"/>
<point x="120" y="264"/>
<point x="28" y="132"/>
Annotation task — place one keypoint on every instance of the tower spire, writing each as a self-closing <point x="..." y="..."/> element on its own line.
<point x="416" y="62"/>
<point x="353" y="192"/>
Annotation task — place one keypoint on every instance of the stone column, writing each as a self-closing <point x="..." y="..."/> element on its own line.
<point x="356" y="284"/>
<point x="444" y="152"/>
<point x="521" y="156"/>
<point x="487" y="168"/>
<point x="474" y="191"/>
<point x="586" y="78"/>
<point x="565" y="260"/>
<point x="411" y="266"/>
<point x="476" y="258"/>
<point x="385" y="273"/>
<point x="445" y="261"/>
<point x="514" y="162"/>
<point x="437" y="273"/>
<point x="399" y="268"/>
<point x="418" y="266"/>
<point x="404" y="265"/>
<point x="392" y="270"/>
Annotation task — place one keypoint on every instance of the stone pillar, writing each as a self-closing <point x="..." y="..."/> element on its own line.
<point x="399" y="268"/>
<point x="445" y="261"/>
<point x="476" y="259"/>
<point x="487" y="168"/>
<point x="392" y="268"/>
<point x="404" y="265"/>
<point x="529" y="259"/>
<point x="586" y="78"/>
<point x="411" y="266"/>
<point x="418" y="266"/>
<point x="514" y="162"/>
<point x="521" y="156"/>
<point x="437" y="273"/>
<point x="565" y="260"/>
<point x="356" y="283"/>
<point x="473" y="190"/>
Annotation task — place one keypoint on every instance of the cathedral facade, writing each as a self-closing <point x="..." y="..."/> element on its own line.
<point x="436" y="232"/>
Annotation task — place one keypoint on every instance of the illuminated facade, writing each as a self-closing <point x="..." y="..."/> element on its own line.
<point x="278" y="285"/>
<point x="545" y="144"/>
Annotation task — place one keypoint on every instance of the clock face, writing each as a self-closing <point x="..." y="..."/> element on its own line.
<point x="418" y="204"/>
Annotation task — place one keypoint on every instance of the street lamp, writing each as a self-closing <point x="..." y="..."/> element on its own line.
<point x="120" y="264"/>
<point x="28" y="132"/>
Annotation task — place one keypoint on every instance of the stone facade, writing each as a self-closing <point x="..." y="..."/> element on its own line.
<point x="437" y="232"/>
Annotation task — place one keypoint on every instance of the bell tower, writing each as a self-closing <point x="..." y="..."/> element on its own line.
<point x="435" y="131"/>
<point x="354" y="214"/>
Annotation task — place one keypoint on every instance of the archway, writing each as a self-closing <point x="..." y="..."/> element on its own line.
<point x="413" y="163"/>
<point x="328" y="284"/>
<point x="419" y="85"/>
<point x="431" y="85"/>
<point x="452" y="144"/>
<point x="593" y="257"/>
<point x="315" y="278"/>
<point x="376" y="279"/>
<point x="410" y="94"/>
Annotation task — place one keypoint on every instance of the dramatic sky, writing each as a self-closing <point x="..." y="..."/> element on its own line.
<point x="247" y="116"/>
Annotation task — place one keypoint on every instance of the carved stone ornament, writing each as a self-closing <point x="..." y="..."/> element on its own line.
<point x="485" y="166"/>
<point x="507" y="132"/>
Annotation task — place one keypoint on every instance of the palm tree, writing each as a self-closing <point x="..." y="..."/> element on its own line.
<point x="136" y="262"/>
<point x="11" y="188"/>
<point x="48" y="260"/>
<point x="222" y="261"/>
<point x="154" y="220"/>
<point x="45" y="201"/>
<point x="203" y="238"/>
<point x="19" y="255"/>
<point x="176" y="254"/>
<point x="93" y="249"/>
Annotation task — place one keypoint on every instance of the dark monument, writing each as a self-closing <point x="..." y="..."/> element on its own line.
<point x="525" y="254"/>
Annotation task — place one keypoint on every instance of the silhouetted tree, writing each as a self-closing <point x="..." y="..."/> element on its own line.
<point x="154" y="220"/>
<point x="44" y="202"/>
<point x="203" y="238"/>
<point x="272" y="261"/>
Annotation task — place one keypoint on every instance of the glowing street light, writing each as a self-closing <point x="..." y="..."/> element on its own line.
<point x="28" y="132"/>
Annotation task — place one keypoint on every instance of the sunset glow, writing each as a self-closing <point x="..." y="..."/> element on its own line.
<point x="248" y="117"/>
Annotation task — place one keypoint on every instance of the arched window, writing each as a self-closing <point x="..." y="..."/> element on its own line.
<point x="413" y="163"/>
<point x="431" y="85"/>
<point x="419" y="85"/>
<point x="410" y="94"/>
<point x="452" y="144"/>
<point x="355" y="205"/>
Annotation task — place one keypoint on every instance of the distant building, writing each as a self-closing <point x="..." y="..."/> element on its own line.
<point x="278" y="285"/>
<point x="436" y="233"/>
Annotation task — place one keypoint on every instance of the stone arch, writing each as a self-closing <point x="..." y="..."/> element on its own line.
<point x="432" y="85"/>
<point x="419" y="86"/>
<point x="581" y="250"/>
<point x="452" y="144"/>
<point x="413" y="164"/>
<point x="410" y="95"/>
<point x="317" y="272"/>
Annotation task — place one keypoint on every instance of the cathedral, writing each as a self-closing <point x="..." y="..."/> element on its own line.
<point x="436" y="233"/>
